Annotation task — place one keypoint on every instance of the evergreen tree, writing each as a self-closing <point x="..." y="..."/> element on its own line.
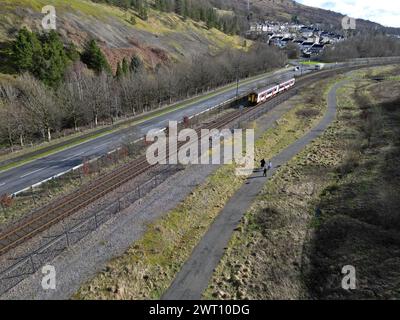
<point x="43" y="56"/>
<point x="24" y="50"/>
<point x="72" y="52"/>
<point x="136" y="64"/>
<point x="179" y="7"/>
<point x="119" y="74"/>
<point x="142" y="8"/>
<point x="52" y="67"/>
<point x="94" y="58"/>
<point x="125" y="66"/>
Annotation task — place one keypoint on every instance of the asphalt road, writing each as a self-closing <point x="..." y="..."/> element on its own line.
<point x="22" y="177"/>
<point x="193" y="279"/>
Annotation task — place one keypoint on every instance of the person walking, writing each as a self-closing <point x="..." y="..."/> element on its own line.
<point x="263" y="163"/>
<point x="265" y="170"/>
<point x="269" y="165"/>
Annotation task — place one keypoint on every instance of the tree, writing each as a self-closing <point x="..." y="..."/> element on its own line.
<point x="292" y="50"/>
<point x="72" y="52"/>
<point x="119" y="72"/>
<point x="25" y="49"/>
<point x="43" y="55"/>
<point x="38" y="103"/>
<point x="142" y="8"/>
<point x="179" y="7"/>
<point x="136" y="64"/>
<point x="55" y="59"/>
<point x="15" y="123"/>
<point x="94" y="58"/>
<point x="125" y="67"/>
<point x="70" y="98"/>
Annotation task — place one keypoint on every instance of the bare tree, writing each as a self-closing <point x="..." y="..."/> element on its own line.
<point x="39" y="104"/>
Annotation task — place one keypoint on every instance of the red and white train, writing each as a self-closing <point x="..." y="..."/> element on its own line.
<point x="264" y="94"/>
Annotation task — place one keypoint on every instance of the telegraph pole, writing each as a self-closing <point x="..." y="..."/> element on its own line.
<point x="237" y="83"/>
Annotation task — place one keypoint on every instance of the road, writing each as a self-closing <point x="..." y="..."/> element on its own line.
<point x="24" y="176"/>
<point x="193" y="279"/>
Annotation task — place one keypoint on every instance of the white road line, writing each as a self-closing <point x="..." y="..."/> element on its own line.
<point x="2" y="184"/>
<point x="28" y="174"/>
<point x="75" y="155"/>
<point x="100" y="146"/>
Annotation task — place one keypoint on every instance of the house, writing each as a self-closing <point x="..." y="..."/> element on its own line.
<point x="276" y="40"/>
<point x="316" y="49"/>
<point x="285" y="41"/>
<point x="298" y="41"/>
<point x="306" y="45"/>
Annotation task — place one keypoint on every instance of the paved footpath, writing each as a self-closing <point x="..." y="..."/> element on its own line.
<point x="196" y="273"/>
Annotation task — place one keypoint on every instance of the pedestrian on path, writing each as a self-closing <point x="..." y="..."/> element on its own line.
<point x="269" y="165"/>
<point x="265" y="170"/>
<point x="263" y="163"/>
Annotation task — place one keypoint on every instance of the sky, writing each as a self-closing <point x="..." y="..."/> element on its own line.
<point x="385" y="12"/>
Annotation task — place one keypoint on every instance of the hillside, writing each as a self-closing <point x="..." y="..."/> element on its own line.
<point x="287" y="10"/>
<point x="163" y="37"/>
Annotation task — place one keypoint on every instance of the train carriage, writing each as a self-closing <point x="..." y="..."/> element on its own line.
<point x="262" y="95"/>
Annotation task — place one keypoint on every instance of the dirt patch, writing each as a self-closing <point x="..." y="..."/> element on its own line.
<point x="308" y="113"/>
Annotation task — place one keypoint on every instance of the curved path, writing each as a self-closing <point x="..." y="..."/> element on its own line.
<point x="196" y="273"/>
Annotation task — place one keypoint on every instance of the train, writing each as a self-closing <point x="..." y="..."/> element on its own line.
<point x="262" y="95"/>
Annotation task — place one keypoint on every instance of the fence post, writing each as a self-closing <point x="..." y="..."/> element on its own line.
<point x="67" y="237"/>
<point x="95" y="220"/>
<point x="32" y="264"/>
<point x="33" y="196"/>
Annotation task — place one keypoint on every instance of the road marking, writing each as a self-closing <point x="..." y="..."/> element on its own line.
<point x="75" y="155"/>
<point x="2" y="184"/>
<point x="100" y="146"/>
<point x="28" y="174"/>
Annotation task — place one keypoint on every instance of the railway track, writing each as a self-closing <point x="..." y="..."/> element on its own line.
<point x="70" y="204"/>
<point x="55" y="212"/>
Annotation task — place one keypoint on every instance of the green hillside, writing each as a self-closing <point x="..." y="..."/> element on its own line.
<point x="163" y="36"/>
